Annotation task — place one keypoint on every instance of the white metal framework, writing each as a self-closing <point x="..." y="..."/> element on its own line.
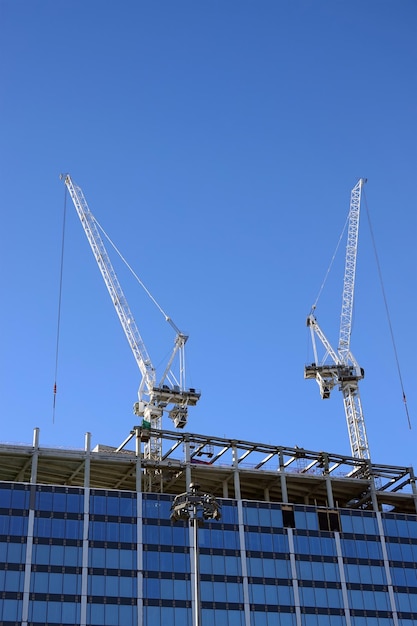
<point x="170" y="393"/>
<point x="341" y="368"/>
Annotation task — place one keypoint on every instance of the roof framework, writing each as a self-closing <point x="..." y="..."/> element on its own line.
<point x="224" y="467"/>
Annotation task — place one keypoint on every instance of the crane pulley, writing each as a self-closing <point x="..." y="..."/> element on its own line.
<point x="170" y="393"/>
<point x="340" y="368"/>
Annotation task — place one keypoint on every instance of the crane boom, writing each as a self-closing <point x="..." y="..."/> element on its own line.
<point x="170" y="394"/>
<point x="113" y="286"/>
<point x="340" y="368"/>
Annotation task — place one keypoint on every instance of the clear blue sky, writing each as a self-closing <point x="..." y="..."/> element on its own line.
<point x="217" y="143"/>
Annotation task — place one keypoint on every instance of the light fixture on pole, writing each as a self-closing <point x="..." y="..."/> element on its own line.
<point x="195" y="507"/>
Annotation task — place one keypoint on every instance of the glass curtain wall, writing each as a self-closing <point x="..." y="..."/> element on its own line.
<point x="110" y="558"/>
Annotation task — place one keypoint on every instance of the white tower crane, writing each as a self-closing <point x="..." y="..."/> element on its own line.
<point x="340" y="367"/>
<point x="170" y="394"/>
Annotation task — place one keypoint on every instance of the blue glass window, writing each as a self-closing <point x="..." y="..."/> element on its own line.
<point x="54" y="611"/>
<point x="280" y="543"/>
<point x="276" y="517"/>
<point x="180" y="562"/>
<point x="304" y="570"/>
<point x="95" y="614"/>
<point x="233" y="566"/>
<point x="71" y="612"/>
<point x="167" y="589"/>
<point x="253" y="541"/>
<point x="165" y="561"/>
<point x="96" y="585"/>
<point x="127" y="587"/>
<point x="413" y="602"/>
<point x="13" y="525"/>
<point x="12" y="552"/>
<point x="182" y="589"/>
<point x="20" y="499"/>
<point x="394" y="551"/>
<point x="307" y="596"/>
<point x="11" y="580"/>
<point x="151" y="588"/>
<point x="151" y="561"/>
<point x="98" y="505"/>
<point x="128" y="559"/>
<point x="5" y="497"/>
<point x="264" y="517"/>
<point x="301" y="544"/>
<point x="229" y="512"/>
<point x="255" y="566"/>
<point x="271" y="594"/>
<point x="266" y="542"/>
<point x="156" y="507"/>
<point x="180" y="535"/>
<point x="250" y="515"/>
<point x="97" y="557"/>
<point x="207" y="591"/>
<point x="44" y="500"/>
<point x="37" y="611"/>
<point x="398" y="576"/>
<point x="306" y="520"/>
<point x="71" y="584"/>
<point x="60" y="502"/>
<point x="212" y="564"/>
<point x="150" y="534"/>
<point x="334" y="598"/>
<point x="11" y="610"/>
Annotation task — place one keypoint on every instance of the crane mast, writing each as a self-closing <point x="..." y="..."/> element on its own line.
<point x="170" y="393"/>
<point x="340" y="368"/>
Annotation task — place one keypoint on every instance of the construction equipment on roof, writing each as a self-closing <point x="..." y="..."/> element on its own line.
<point x="340" y="367"/>
<point x="154" y="398"/>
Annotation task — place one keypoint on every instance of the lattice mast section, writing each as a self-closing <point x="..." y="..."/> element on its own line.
<point x="350" y="272"/>
<point x="341" y="368"/>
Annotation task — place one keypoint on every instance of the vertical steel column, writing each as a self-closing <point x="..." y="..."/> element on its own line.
<point x="245" y="581"/>
<point x="329" y="490"/>
<point x="31" y="522"/>
<point x="197" y="599"/>
<point x="384" y="549"/>
<point x="294" y="576"/>
<point x="413" y="486"/>
<point x="342" y="578"/>
<point x="281" y="469"/>
<point x="84" y="570"/>
<point x="139" y="528"/>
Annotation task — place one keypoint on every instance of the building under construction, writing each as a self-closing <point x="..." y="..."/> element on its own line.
<point x="177" y="529"/>
<point x="305" y="538"/>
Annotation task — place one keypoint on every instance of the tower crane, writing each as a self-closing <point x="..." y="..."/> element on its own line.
<point x="170" y="394"/>
<point x="340" y="367"/>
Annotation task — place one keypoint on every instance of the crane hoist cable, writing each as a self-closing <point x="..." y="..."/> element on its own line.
<point x="58" y="326"/>
<point x="384" y="296"/>
<point x="330" y="265"/>
<point x="141" y="283"/>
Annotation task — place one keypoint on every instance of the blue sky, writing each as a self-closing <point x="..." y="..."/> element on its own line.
<point x="217" y="144"/>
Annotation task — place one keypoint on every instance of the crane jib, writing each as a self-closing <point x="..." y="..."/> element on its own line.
<point x="171" y="397"/>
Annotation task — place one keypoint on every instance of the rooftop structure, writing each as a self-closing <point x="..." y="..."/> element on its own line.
<point x="223" y="467"/>
<point x="305" y="538"/>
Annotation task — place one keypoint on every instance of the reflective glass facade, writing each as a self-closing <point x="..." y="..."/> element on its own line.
<point x="75" y="555"/>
